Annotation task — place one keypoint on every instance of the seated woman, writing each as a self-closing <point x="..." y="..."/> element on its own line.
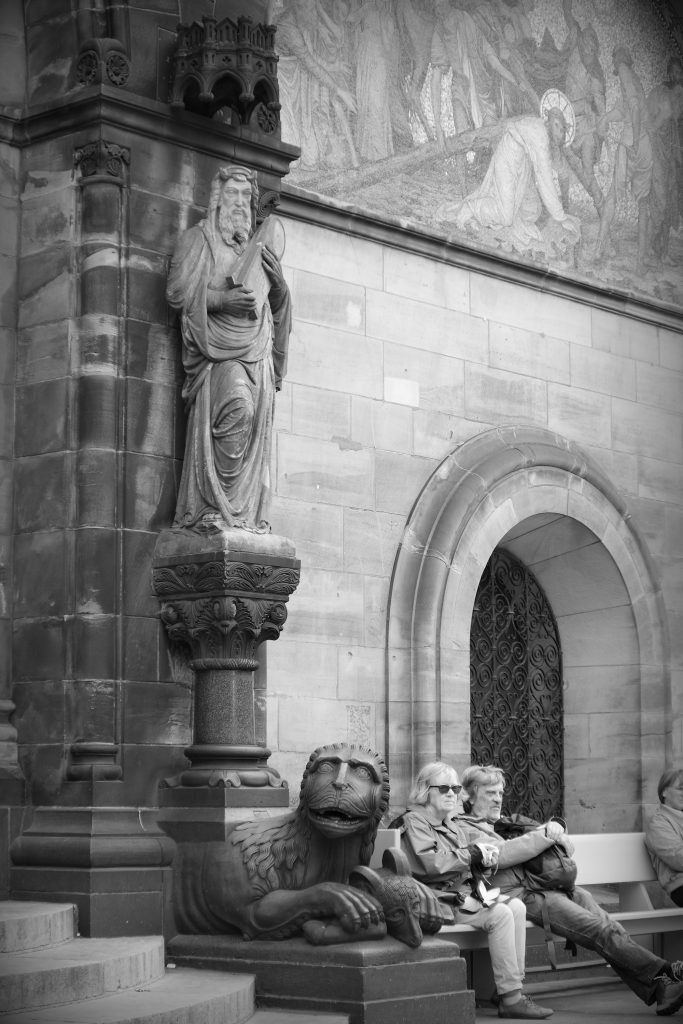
<point x="440" y="856"/>
<point x="664" y="835"/>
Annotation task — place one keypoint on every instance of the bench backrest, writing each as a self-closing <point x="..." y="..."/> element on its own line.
<point x="602" y="858"/>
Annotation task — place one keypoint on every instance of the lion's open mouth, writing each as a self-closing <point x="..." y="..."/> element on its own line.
<point x="335" y="817"/>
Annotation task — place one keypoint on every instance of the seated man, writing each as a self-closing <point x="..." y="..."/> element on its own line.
<point x="664" y="835"/>
<point x="439" y="856"/>
<point x="576" y="917"/>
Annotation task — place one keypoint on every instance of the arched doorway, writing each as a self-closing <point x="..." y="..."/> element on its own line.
<point x="516" y="687"/>
<point x="539" y="496"/>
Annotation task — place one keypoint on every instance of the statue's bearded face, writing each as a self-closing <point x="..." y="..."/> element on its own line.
<point x="342" y="791"/>
<point x="234" y="214"/>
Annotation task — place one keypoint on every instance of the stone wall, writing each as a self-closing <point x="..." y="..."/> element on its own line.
<point x="397" y="359"/>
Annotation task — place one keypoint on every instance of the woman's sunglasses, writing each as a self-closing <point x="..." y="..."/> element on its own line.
<point x="447" y="789"/>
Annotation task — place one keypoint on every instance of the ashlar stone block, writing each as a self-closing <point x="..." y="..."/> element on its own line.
<point x="371" y="541"/>
<point x="429" y="328"/>
<point x="327" y="607"/>
<point x="654" y="433"/>
<point x="594" y="370"/>
<point x="661" y="387"/>
<point x="381" y="424"/>
<point x="317" y="527"/>
<point x="579" y="415"/>
<point x="322" y="471"/>
<point x="335" y="360"/>
<point x="495" y="396"/>
<point x="440" y="378"/>
<point x="529" y="309"/>
<point x="318" y="413"/>
<point x="417" y="277"/>
<point x="331" y="303"/>
<point x="350" y="259"/>
<point x="624" y="336"/>
<point x="529" y="353"/>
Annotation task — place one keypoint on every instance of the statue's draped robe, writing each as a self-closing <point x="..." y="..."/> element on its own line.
<point x="233" y="367"/>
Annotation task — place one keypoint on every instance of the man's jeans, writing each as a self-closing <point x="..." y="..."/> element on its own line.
<point x="585" y="923"/>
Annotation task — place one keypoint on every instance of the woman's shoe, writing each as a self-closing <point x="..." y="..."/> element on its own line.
<point x="524" y="1009"/>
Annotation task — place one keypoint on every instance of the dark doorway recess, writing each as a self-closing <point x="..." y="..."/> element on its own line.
<point x="516" y="687"/>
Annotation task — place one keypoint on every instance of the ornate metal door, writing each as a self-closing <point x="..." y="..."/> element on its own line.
<point x="516" y="687"/>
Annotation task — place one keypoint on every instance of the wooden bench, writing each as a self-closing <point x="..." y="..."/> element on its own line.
<point x="620" y="859"/>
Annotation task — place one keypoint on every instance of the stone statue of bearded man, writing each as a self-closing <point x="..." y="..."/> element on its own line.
<point x="234" y="355"/>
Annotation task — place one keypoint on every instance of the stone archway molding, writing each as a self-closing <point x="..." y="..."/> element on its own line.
<point x="479" y="492"/>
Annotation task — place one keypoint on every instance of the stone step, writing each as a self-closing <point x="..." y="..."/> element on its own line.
<point x="27" y="925"/>
<point x="79" y="969"/>
<point x="297" y="1017"/>
<point x="183" y="996"/>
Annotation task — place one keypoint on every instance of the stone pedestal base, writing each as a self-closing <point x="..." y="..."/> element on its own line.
<point x="373" y="982"/>
<point x="113" y="862"/>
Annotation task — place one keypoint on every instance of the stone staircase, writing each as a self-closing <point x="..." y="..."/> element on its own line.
<point x="50" y="975"/>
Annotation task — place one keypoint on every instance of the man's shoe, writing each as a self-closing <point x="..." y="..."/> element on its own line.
<point x="524" y="1009"/>
<point x="669" y="996"/>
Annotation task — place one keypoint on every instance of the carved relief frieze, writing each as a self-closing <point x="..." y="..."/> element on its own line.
<point x="244" y="577"/>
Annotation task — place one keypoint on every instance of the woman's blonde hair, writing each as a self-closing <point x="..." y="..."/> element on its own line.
<point x="419" y="794"/>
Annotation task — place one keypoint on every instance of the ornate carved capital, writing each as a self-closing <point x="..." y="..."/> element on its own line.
<point x="225" y="629"/>
<point x="101" y="158"/>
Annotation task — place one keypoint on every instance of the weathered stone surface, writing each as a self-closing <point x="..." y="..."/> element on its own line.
<point x="426" y="328"/>
<point x="151" y="491"/>
<point x="41" y="497"/>
<point x="141" y="638"/>
<point x="416" y="277"/>
<point x="313" y="665"/>
<point x="529" y="352"/>
<point x="41" y="417"/>
<point x="398" y="478"/>
<point x="529" y="309"/>
<point x="153" y="353"/>
<point x="156" y="712"/>
<point x="328" y="606"/>
<point x="45" y="286"/>
<point x="661" y="387"/>
<point x="374" y="982"/>
<point x="349" y="259"/>
<point x="93" y="653"/>
<point x="335" y="360"/>
<point x="324" y="414"/>
<point x="440" y="379"/>
<point x="492" y="395"/>
<point x="654" y="433"/>
<point x="39" y="579"/>
<point x="370" y="541"/>
<point x="594" y="370"/>
<point x="97" y="405"/>
<point x="138" y="551"/>
<point x="314" y="471"/>
<point x="624" y="336"/>
<point x="42" y="352"/>
<point x="381" y="424"/>
<point x="317" y="527"/>
<point x="323" y="300"/>
<point x="96" y="488"/>
<point x="670" y="349"/>
<point x="580" y="415"/>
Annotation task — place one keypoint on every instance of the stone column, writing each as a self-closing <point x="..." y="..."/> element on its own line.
<point x="222" y="595"/>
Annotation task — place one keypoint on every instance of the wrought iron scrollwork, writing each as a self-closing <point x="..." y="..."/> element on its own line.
<point x="516" y="687"/>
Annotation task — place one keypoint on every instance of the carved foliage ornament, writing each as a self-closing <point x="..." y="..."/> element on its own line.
<point x="100" y="157"/>
<point x="243" y="577"/>
<point x="223" y="628"/>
